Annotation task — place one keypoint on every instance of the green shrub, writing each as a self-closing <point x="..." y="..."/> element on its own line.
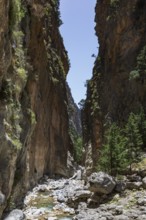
<point x="134" y="75"/>
<point x="22" y="73"/>
<point x="134" y="138"/>
<point x="32" y="116"/>
<point x="113" y="158"/>
<point x="114" y="2"/>
<point x="16" y="13"/>
<point x="140" y="69"/>
<point x="56" y="6"/>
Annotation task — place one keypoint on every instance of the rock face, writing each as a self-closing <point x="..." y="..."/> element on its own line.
<point x="34" y="121"/>
<point x="74" y="113"/>
<point x="118" y="85"/>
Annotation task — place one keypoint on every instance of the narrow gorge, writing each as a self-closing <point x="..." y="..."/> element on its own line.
<point x="47" y="170"/>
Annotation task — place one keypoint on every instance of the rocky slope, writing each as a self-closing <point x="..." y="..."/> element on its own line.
<point x="118" y="85"/>
<point x="101" y="197"/>
<point x="34" y="123"/>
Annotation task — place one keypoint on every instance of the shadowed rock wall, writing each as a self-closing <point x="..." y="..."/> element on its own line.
<point x="34" y="123"/>
<point x="118" y="85"/>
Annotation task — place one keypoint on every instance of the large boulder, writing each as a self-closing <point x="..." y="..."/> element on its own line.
<point x="16" y="214"/>
<point x="101" y="183"/>
<point x="81" y="194"/>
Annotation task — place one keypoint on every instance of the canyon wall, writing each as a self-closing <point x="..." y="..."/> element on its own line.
<point x="34" y="122"/>
<point x="74" y="112"/>
<point x="118" y="84"/>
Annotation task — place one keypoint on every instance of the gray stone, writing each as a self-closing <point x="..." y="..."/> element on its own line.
<point x="82" y="205"/>
<point x="142" y="217"/>
<point x="119" y="210"/>
<point x="144" y="182"/>
<point x="132" y="213"/>
<point x="81" y="194"/>
<point x="110" y="217"/>
<point x="134" y="178"/>
<point x="16" y="214"/>
<point x="38" y="212"/>
<point x="134" y="185"/>
<point x="61" y="198"/>
<point x="143" y="173"/>
<point x="52" y="218"/>
<point x="111" y="207"/>
<point x="121" y="217"/>
<point x="101" y="183"/>
<point x="42" y="188"/>
<point x="87" y="216"/>
<point x="2" y="198"/>
<point x="64" y="208"/>
<point x="120" y="186"/>
<point x="77" y="175"/>
<point x="141" y="201"/>
<point x="10" y="218"/>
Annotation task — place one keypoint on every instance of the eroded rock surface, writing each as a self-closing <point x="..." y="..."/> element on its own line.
<point x="66" y="199"/>
<point x="34" y="123"/>
<point x="101" y="183"/>
<point x="71" y="199"/>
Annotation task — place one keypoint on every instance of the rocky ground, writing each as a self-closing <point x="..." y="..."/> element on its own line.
<point x="100" y="196"/>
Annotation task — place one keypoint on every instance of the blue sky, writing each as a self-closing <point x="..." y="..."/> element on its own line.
<point x="80" y="42"/>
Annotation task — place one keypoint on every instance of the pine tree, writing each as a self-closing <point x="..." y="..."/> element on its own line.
<point x="134" y="138"/>
<point x="123" y="146"/>
<point x="142" y="126"/>
<point x="113" y="157"/>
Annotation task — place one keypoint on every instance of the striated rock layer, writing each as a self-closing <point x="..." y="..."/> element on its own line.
<point x="34" y="123"/>
<point x="118" y="85"/>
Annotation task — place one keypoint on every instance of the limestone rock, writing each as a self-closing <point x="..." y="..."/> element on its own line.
<point x="16" y="214"/>
<point x="52" y="218"/>
<point x="101" y="183"/>
<point x="121" y="217"/>
<point x="34" y="121"/>
<point x="120" y="186"/>
<point x="144" y="182"/>
<point x="134" y="178"/>
<point x="141" y="201"/>
<point x="81" y="194"/>
<point x="134" y="185"/>
<point x="2" y="198"/>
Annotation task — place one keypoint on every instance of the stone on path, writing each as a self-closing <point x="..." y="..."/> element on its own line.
<point x="101" y="183"/>
<point x="16" y="214"/>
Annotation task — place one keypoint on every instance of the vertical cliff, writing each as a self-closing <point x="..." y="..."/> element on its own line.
<point x="34" y="123"/>
<point x="74" y="112"/>
<point x="118" y="85"/>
